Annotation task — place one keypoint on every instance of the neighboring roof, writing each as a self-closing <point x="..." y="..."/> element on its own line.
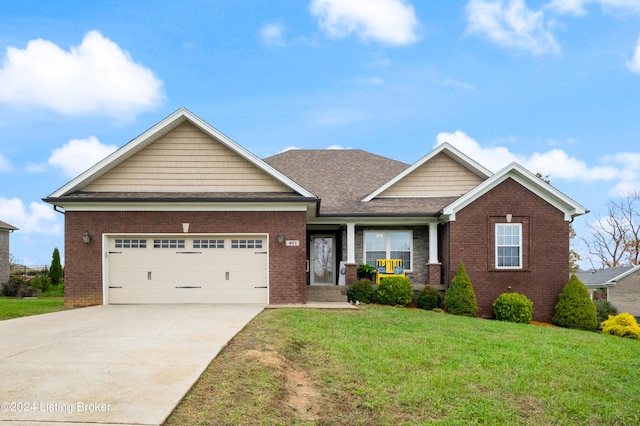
<point x="156" y="132"/>
<point x="605" y="277"/>
<point x="341" y="178"/>
<point x="445" y="148"/>
<point x="527" y="179"/>
<point x="6" y="227"/>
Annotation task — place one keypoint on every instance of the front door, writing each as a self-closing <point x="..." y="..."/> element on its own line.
<point x="323" y="260"/>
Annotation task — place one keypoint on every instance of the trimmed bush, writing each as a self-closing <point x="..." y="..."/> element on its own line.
<point x="395" y="290"/>
<point x="428" y="298"/>
<point x="604" y="308"/>
<point x="361" y="291"/>
<point x="575" y="308"/>
<point x="623" y="325"/>
<point x="513" y="307"/>
<point x="460" y="299"/>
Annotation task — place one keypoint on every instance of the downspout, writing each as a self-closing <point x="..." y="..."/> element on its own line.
<point x="55" y="208"/>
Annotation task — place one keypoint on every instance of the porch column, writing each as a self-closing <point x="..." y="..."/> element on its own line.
<point x="351" y="254"/>
<point x="433" y="243"/>
<point x="434" y="267"/>
<point x="351" y="242"/>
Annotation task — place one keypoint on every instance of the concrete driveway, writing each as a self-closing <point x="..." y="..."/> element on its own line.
<point x="116" y="364"/>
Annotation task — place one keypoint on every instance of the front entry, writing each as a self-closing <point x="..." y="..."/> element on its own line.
<point x="323" y="260"/>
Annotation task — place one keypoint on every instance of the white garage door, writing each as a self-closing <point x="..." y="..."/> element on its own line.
<point x="193" y="269"/>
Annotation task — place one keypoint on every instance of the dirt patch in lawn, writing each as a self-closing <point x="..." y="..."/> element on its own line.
<point x="301" y="393"/>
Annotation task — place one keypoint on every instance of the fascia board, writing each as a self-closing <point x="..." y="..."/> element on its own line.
<point x="527" y="179"/>
<point x="151" y="134"/>
<point x="191" y="206"/>
<point x="462" y="158"/>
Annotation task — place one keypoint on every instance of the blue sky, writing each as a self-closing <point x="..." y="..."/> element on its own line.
<point x="554" y="85"/>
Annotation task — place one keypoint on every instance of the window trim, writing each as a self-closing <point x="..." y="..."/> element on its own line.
<point x="388" y="243"/>
<point x="520" y="246"/>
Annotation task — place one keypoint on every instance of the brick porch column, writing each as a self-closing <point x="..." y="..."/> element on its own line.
<point x="434" y="274"/>
<point x="352" y="275"/>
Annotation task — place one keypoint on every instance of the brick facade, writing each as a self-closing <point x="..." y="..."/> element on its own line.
<point x="83" y="262"/>
<point x="625" y="296"/>
<point x="471" y="240"/>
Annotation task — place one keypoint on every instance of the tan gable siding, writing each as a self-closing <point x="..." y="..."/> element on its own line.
<point x="440" y="176"/>
<point x="186" y="160"/>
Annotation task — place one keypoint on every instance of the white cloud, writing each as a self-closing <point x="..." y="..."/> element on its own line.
<point x="271" y="34"/>
<point x="78" y="155"/>
<point x="391" y="22"/>
<point x="509" y="23"/>
<point x="555" y="163"/>
<point x="336" y="147"/>
<point x="577" y="7"/>
<point x="36" y="218"/>
<point x="5" y="164"/>
<point x="96" y="77"/>
<point x="634" y="63"/>
<point x="451" y="82"/>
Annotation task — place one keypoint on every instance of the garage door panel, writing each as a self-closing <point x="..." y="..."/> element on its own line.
<point x="180" y="269"/>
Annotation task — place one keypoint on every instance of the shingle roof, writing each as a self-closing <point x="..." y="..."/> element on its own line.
<point x="6" y="226"/>
<point x="342" y="178"/>
<point x="601" y="276"/>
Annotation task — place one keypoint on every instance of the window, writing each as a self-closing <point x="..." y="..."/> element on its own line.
<point x="388" y="245"/>
<point x="508" y="245"/>
<point x="168" y="244"/>
<point x="240" y="244"/>
<point x="212" y="244"/>
<point x="128" y="243"/>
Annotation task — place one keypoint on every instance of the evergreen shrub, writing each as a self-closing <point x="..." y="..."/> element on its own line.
<point x="575" y="308"/>
<point x="513" y="307"/>
<point x="623" y="325"/>
<point x="361" y="291"/>
<point x="428" y="298"/>
<point x="460" y="299"/>
<point x="604" y="308"/>
<point x="395" y="290"/>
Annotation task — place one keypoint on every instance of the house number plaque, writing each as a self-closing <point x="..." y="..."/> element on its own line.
<point x="293" y="243"/>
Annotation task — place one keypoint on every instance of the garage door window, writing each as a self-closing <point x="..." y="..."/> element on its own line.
<point x="250" y="244"/>
<point x="212" y="244"/>
<point x="168" y="244"/>
<point x="127" y="243"/>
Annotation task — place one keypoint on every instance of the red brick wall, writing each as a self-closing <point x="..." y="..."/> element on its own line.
<point x="545" y="248"/>
<point x="83" y="262"/>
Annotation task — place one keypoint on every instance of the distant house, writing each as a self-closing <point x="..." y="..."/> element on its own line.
<point x="621" y="285"/>
<point x="5" y="230"/>
<point x="184" y="214"/>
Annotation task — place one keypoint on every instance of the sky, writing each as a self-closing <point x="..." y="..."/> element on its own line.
<point x="553" y="85"/>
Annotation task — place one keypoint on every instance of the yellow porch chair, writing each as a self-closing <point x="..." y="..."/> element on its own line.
<point x="388" y="268"/>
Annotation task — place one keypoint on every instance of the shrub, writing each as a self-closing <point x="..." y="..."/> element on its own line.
<point x="54" y="290"/>
<point x="604" y="308"/>
<point x="575" y="308"/>
<point x="361" y="291"/>
<point x="395" y="290"/>
<point x="36" y="282"/>
<point x="513" y="307"/>
<point x="460" y="299"/>
<point x="623" y="325"/>
<point x="12" y="287"/>
<point x="428" y="298"/>
<point x="55" y="271"/>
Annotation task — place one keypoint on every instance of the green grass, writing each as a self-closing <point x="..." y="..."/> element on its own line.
<point x="15" y="308"/>
<point x="388" y="366"/>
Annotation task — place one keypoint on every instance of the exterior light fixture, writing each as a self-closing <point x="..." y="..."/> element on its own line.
<point x="280" y="237"/>
<point x="86" y="237"/>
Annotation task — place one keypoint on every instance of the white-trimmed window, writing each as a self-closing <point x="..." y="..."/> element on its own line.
<point x="168" y="244"/>
<point x="509" y="245"/>
<point x="388" y="245"/>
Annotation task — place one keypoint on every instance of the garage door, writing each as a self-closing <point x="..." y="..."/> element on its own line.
<point x="194" y="269"/>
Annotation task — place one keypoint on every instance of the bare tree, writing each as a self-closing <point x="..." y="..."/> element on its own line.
<point x="614" y="239"/>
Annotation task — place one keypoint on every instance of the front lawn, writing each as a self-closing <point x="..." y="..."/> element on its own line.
<point x="15" y="308"/>
<point x="388" y="366"/>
